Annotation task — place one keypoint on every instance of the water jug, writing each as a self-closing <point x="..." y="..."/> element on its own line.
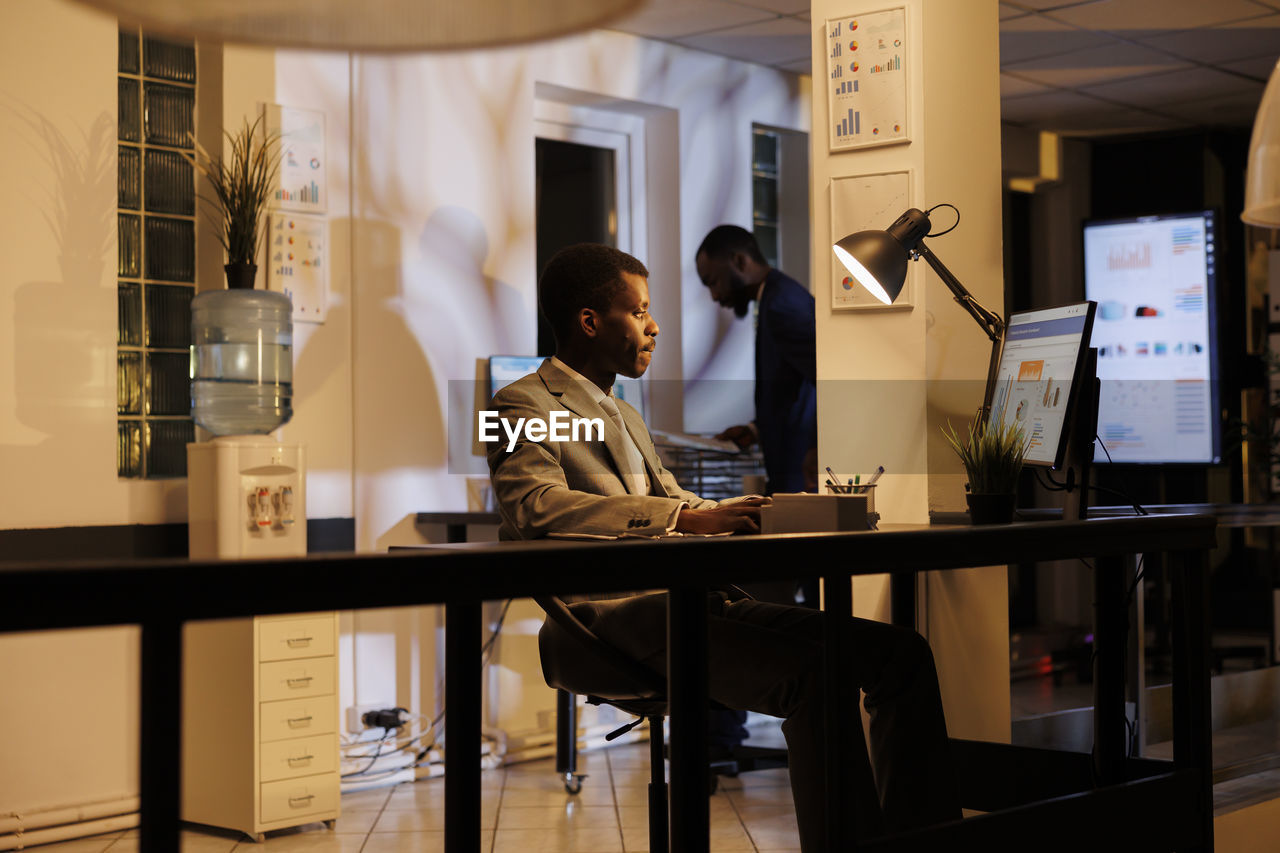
<point x="241" y="361"/>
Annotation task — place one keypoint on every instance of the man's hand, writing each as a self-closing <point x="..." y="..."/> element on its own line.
<point x="740" y="517"/>
<point x="744" y="435"/>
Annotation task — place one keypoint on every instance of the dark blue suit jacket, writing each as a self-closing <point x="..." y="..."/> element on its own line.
<point x="786" y="369"/>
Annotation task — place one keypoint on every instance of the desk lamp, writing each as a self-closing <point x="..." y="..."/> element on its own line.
<point x="1262" y="184"/>
<point x="878" y="261"/>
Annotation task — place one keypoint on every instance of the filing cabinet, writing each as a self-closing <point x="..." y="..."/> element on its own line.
<point x="260" y="722"/>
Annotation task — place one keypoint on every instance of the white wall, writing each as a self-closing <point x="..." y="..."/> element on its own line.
<point x="431" y="178"/>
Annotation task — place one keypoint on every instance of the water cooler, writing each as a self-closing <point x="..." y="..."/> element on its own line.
<point x="259" y="694"/>
<point x="246" y="497"/>
<point x="246" y="491"/>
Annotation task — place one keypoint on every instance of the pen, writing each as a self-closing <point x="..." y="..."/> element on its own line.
<point x="871" y="481"/>
<point x="832" y="475"/>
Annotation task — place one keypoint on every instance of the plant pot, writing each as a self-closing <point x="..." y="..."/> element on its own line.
<point x="241" y="275"/>
<point x="991" y="509"/>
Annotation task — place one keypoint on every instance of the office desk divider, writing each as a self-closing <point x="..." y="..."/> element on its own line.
<point x="1062" y="800"/>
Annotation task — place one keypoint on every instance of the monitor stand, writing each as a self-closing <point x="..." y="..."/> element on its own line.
<point x="1084" y="428"/>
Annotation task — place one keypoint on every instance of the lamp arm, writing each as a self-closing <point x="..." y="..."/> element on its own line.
<point x="988" y="320"/>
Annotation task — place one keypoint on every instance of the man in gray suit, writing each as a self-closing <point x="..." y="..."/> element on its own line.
<point x="763" y="657"/>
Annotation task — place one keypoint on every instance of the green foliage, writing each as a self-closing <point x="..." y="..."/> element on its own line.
<point x="241" y="184"/>
<point x="992" y="457"/>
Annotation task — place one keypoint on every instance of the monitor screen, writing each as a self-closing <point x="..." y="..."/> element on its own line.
<point x="1153" y="278"/>
<point x="1039" y="371"/>
<point x="505" y="369"/>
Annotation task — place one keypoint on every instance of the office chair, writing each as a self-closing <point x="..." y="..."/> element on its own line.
<point x="576" y="661"/>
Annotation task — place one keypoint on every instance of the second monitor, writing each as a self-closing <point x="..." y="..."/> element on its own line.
<point x="1039" y="379"/>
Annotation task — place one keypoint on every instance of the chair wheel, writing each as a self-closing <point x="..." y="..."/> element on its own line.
<point x="573" y="782"/>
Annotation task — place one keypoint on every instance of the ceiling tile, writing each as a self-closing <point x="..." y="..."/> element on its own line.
<point x="1012" y="86"/>
<point x="1033" y="37"/>
<point x="1094" y="65"/>
<point x="1229" y="111"/>
<point x="782" y="7"/>
<point x="1189" y="84"/>
<point x="1043" y="5"/>
<point x="1172" y="14"/>
<point x="799" y="66"/>
<point x="769" y="42"/>
<point x="1259" y="68"/>
<point x="1218" y="44"/>
<point x="1067" y="111"/>
<point x="667" y="19"/>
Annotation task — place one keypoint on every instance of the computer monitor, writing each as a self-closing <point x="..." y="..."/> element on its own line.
<point x="505" y="369"/>
<point x="1154" y="278"/>
<point x="1040" y="376"/>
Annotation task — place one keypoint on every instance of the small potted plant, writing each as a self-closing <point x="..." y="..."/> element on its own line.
<point x="992" y="459"/>
<point x="242" y="182"/>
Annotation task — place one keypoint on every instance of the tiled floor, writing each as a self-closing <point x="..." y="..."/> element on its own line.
<point x="524" y="810"/>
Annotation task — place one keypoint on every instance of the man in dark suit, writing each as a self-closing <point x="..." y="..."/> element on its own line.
<point x="735" y="272"/>
<point x="763" y="657"/>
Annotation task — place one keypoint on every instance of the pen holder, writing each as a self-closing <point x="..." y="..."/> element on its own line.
<point x="869" y="492"/>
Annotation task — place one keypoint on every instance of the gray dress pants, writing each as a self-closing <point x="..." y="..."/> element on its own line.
<point x="768" y="658"/>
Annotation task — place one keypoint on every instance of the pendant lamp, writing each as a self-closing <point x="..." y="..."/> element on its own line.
<point x="1262" y="181"/>
<point x="368" y="25"/>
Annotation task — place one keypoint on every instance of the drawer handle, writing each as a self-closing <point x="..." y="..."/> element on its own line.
<point x="295" y="642"/>
<point x="301" y="758"/>
<point x="294" y="682"/>
<point x="299" y="721"/>
<point x="302" y="800"/>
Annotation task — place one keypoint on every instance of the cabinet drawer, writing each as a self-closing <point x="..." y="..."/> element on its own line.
<point x="304" y="756"/>
<point x="294" y="679"/>
<point x="297" y="718"/>
<point x="291" y="798"/>
<point x="286" y="639"/>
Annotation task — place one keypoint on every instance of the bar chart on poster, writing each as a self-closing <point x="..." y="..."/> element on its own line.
<point x="867" y="86"/>
<point x="300" y="181"/>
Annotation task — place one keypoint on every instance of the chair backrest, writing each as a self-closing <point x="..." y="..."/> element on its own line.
<point x="576" y="660"/>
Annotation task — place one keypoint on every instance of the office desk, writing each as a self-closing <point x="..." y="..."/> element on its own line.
<point x="996" y="776"/>
<point x="1144" y="804"/>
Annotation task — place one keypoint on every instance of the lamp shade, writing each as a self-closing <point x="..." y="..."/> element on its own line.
<point x="367" y="25"/>
<point x="1262" y="181"/>
<point x="876" y="261"/>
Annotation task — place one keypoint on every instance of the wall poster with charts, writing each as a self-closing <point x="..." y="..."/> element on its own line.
<point x="867" y="67"/>
<point x="862" y="203"/>
<point x="300" y="183"/>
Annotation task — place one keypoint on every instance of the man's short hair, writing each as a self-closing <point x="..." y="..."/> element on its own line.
<point x="585" y="275"/>
<point x="724" y="240"/>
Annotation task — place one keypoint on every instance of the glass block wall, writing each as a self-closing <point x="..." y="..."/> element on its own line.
<point x="157" y="262"/>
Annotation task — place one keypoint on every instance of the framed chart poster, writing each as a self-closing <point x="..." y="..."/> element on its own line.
<point x="298" y="255"/>
<point x="300" y="182"/>
<point x="867" y="67"/>
<point x="860" y="203"/>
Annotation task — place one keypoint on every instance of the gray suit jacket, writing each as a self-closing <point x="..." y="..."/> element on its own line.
<point x="576" y="486"/>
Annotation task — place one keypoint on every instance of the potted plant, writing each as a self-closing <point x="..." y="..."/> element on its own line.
<point x="992" y="459"/>
<point x="242" y="183"/>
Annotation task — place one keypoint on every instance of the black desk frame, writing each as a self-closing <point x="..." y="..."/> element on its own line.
<point x="1141" y="804"/>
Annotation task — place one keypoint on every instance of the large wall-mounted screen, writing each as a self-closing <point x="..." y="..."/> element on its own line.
<point x="1154" y="278"/>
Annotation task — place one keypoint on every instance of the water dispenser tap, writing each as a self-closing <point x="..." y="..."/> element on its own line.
<point x="264" y="507"/>
<point x="286" y="505"/>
